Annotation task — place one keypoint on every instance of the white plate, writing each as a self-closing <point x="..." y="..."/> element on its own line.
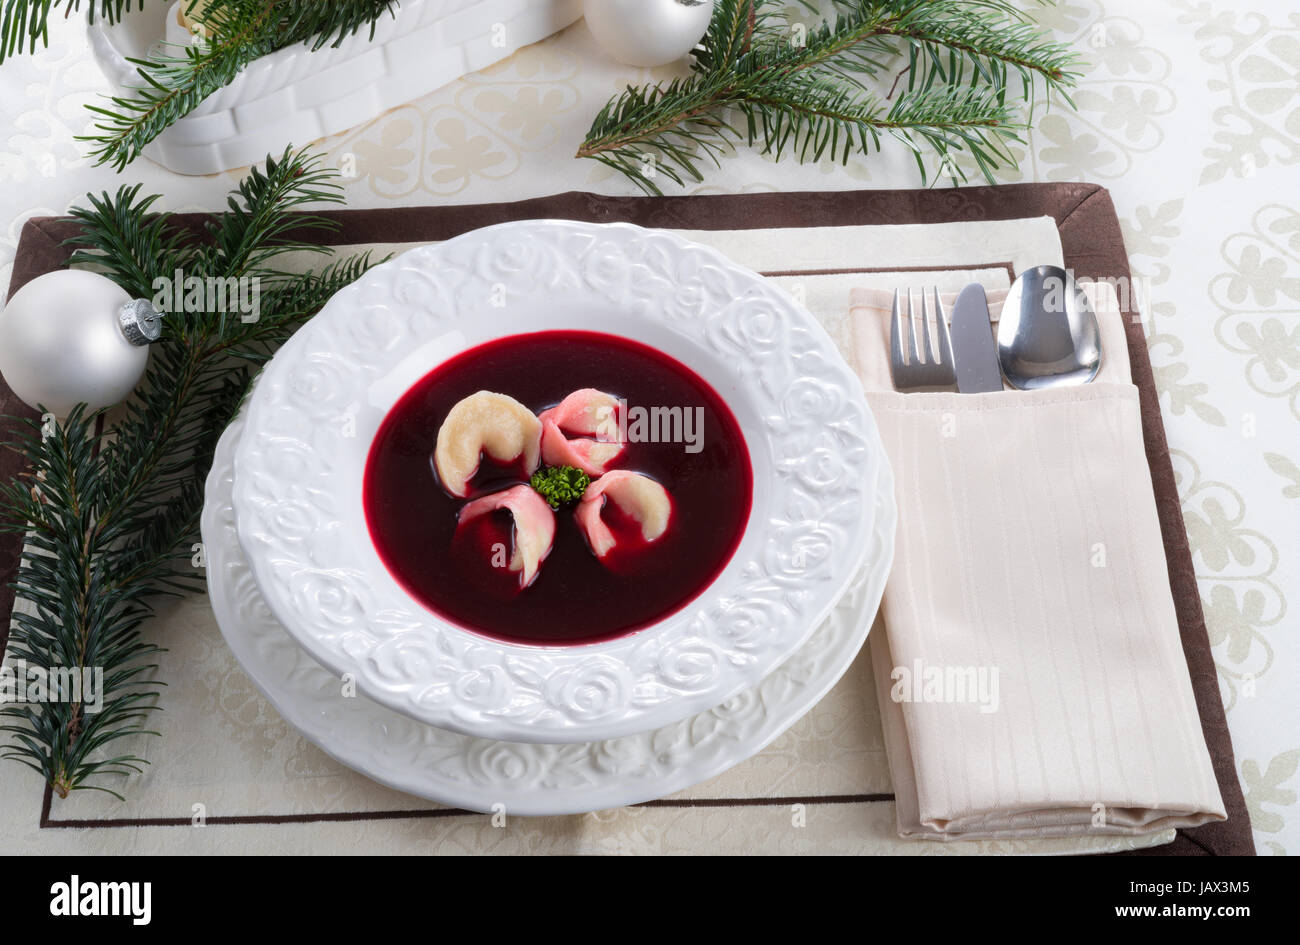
<point x="813" y="445"/>
<point x="529" y="779"/>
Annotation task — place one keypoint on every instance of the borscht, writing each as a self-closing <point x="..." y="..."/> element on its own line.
<point x="559" y="487"/>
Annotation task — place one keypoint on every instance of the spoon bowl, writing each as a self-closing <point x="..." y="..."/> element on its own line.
<point x="1048" y="334"/>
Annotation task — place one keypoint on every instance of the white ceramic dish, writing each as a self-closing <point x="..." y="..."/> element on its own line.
<point x="813" y="446"/>
<point x="528" y="779"/>
<point x="295" y="95"/>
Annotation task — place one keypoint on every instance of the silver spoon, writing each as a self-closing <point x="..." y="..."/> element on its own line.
<point x="1048" y="334"/>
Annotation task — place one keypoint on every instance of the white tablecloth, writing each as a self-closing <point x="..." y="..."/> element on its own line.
<point x="1189" y="113"/>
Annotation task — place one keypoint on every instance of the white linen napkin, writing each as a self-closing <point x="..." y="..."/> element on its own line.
<point x="1031" y="680"/>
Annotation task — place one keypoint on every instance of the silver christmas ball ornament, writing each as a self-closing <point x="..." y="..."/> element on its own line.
<point x="648" y="32"/>
<point x="72" y="337"/>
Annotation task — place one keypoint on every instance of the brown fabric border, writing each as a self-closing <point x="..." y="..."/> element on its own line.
<point x="1093" y="246"/>
<point x="428" y="813"/>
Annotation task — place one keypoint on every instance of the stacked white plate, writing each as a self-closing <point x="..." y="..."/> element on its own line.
<point x="312" y="612"/>
<point x="296" y="95"/>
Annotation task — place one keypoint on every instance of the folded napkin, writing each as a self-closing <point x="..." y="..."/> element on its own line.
<point x="1031" y="680"/>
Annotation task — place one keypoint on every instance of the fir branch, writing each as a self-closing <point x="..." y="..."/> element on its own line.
<point x="752" y="84"/>
<point x="946" y="45"/>
<point x="255" y="227"/>
<point x="284" y="310"/>
<point x="125" y="241"/>
<point x="731" y="32"/>
<point x="110" y="520"/>
<point x="61" y="579"/>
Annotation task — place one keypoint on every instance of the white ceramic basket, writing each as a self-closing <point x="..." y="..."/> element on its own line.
<point x="295" y="96"/>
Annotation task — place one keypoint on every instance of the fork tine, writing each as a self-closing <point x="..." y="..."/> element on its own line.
<point x="931" y="354"/>
<point x="945" y="338"/>
<point x="913" y="358"/>
<point x="930" y="365"/>
<point x="895" y="338"/>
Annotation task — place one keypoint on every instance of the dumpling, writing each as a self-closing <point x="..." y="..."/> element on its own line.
<point x="484" y="422"/>
<point x="591" y="456"/>
<point x="534" y="531"/>
<point x="639" y="497"/>
<point x="588" y="412"/>
<point x="591" y="417"/>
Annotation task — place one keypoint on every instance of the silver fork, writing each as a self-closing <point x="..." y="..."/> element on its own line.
<point x="935" y="367"/>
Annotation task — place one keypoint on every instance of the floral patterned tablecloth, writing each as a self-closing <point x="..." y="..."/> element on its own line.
<point x="1189" y="112"/>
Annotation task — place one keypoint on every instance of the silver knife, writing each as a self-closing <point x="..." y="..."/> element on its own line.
<point x="974" y="348"/>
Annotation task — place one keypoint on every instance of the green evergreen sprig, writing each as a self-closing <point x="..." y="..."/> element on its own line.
<point x="111" y="519"/>
<point x="756" y="81"/>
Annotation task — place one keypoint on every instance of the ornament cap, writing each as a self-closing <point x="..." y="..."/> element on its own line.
<point x="141" y="322"/>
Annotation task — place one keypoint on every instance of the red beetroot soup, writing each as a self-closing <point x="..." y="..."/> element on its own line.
<point x="576" y="597"/>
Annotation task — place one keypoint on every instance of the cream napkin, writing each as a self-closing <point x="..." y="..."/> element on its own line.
<point x="1031" y="679"/>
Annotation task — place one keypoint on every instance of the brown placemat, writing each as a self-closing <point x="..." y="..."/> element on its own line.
<point x="1092" y="245"/>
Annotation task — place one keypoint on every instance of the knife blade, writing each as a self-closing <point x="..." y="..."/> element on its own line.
<point x="973" y="346"/>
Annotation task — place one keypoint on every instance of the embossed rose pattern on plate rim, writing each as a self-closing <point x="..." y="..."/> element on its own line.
<point x="528" y="778"/>
<point x="813" y="445"/>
